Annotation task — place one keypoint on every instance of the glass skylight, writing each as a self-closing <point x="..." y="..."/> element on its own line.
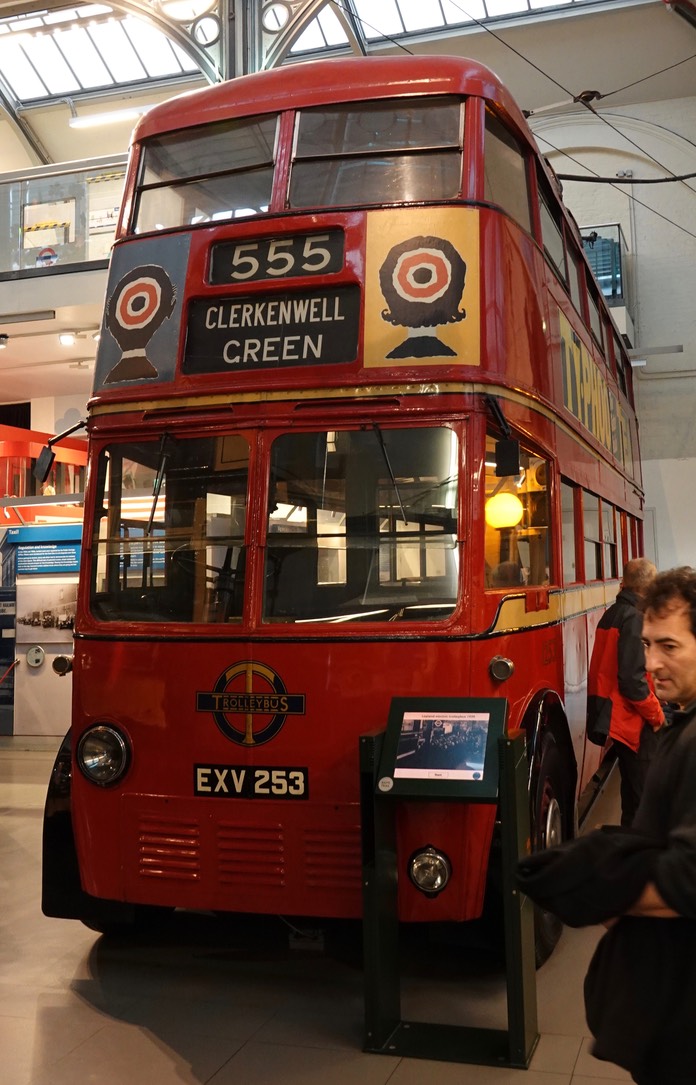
<point x="380" y="19"/>
<point x="73" y="50"/>
<point x="62" y="53"/>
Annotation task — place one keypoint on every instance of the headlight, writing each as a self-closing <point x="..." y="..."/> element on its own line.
<point x="429" y="870"/>
<point x="103" y="755"/>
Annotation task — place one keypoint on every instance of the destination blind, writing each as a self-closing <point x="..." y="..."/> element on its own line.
<point x="318" y="327"/>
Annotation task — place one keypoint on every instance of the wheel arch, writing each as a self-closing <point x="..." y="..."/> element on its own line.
<point x="545" y="716"/>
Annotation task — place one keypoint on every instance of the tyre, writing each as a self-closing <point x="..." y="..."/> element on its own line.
<point x="550" y="823"/>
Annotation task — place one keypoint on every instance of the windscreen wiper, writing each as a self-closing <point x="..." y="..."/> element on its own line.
<point x="385" y="454"/>
<point x="164" y="454"/>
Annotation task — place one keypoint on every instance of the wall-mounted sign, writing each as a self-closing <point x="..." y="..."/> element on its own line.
<point x="49" y="558"/>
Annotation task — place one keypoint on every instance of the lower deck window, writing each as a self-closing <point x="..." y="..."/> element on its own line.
<point x="518" y="537"/>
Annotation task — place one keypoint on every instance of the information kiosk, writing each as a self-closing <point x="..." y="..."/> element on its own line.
<point x="454" y="749"/>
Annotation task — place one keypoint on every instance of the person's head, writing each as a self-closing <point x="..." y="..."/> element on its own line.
<point x="669" y="634"/>
<point x="506" y="574"/>
<point x="638" y="574"/>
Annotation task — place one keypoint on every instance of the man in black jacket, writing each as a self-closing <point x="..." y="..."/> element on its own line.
<point x="620" y="703"/>
<point x="640" y="991"/>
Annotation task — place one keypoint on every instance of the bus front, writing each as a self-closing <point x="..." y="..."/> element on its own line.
<point x="284" y="519"/>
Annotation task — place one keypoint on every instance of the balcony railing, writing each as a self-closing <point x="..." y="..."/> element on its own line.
<point x="607" y="252"/>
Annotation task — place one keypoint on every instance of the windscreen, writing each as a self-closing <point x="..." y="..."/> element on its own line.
<point x="168" y="534"/>
<point x="362" y="526"/>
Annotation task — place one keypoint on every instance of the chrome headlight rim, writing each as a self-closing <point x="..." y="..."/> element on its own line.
<point x="430" y="856"/>
<point x="107" y="767"/>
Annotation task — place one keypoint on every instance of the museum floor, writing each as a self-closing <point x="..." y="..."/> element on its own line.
<point x="206" y="1004"/>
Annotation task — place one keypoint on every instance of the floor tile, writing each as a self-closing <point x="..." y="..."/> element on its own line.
<point x="588" y="1066"/>
<point x="422" y="1072"/>
<point x="556" y="1054"/>
<point x="270" y="1064"/>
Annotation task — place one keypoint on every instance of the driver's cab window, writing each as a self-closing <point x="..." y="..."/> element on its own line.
<point x="517" y="522"/>
<point x="168" y="534"/>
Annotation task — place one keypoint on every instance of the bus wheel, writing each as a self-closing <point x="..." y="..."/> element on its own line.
<point x="548" y="829"/>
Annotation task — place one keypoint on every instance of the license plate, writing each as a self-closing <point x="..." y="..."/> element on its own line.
<point x="250" y="782"/>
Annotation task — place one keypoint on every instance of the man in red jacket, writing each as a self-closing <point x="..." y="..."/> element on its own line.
<point x="621" y="704"/>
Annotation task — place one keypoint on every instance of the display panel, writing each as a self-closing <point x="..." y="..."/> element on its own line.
<point x="442" y="747"/>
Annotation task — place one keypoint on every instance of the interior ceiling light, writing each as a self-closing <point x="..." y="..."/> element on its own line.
<point x="25" y="318"/>
<point x="3" y="341"/>
<point x="93" y="120"/>
<point x="503" y="510"/>
<point x="67" y="339"/>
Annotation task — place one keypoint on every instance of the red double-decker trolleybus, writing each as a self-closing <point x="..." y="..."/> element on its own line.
<point x="361" y="427"/>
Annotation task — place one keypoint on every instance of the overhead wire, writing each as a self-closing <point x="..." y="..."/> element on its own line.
<point x="645" y="78"/>
<point x="615" y="181"/>
<point x="585" y="99"/>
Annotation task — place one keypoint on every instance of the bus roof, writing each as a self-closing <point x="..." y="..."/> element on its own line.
<point x="331" y="81"/>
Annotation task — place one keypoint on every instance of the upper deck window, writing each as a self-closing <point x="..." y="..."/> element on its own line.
<point x="576" y="278"/>
<point x="401" y="151"/>
<point x="552" y="233"/>
<point x="505" y="172"/>
<point x="216" y="172"/>
<point x="594" y="310"/>
<point x="620" y="364"/>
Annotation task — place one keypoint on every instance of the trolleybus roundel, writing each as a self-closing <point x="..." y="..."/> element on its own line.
<point x="250" y="703"/>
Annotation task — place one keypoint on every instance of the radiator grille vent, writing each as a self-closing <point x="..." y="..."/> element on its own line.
<point x="332" y="859"/>
<point x="169" y="849"/>
<point x="248" y="853"/>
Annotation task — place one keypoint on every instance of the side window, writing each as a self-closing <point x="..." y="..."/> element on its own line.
<point x="621" y="540"/>
<point x="593" y="541"/>
<point x="570" y="573"/>
<point x="552" y="229"/>
<point x="632" y="537"/>
<point x="505" y="172"/>
<point x="576" y="279"/>
<point x="518" y="539"/>
<point x="595" y="318"/>
<point x="628" y="373"/>
<point x="609" y="542"/>
<point x="620" y="362"/>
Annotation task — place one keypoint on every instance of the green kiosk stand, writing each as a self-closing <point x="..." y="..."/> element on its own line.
<point x="435" y="749"/>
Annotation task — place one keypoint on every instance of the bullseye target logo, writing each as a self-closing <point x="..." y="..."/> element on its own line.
<point x="422" y="282"/>
<point x="140" y="302"/>
<point x="422" y="275"/>
<point x="249" y="703"/>
<point x="422" y="288"/>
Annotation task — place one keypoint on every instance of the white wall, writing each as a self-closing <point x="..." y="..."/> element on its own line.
<point x="669" y="489"/>
<point x="54" y="414"/>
